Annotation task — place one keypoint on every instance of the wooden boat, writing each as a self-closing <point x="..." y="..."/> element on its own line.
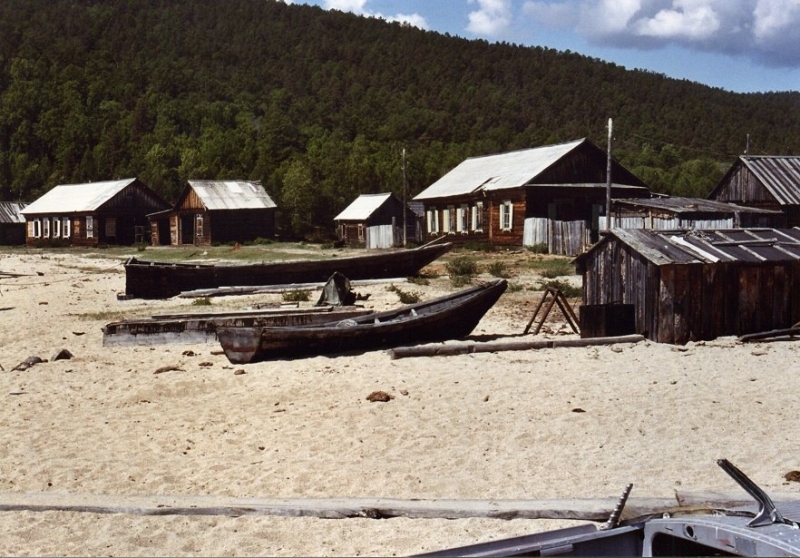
<point x="198" y="327"/>
<point x="152" y="279"/>
<point x="449" y="317"/>
<point x="760" y="529"/>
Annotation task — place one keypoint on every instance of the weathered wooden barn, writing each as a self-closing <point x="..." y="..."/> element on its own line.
<point x="216" y="212"/>
<point x="376" y="221"/>
<point x="91" y="214"/>
<point x="673" y="213"/>
<point x="552" y="195"/>
<point x="768" y="182"/>
<point x="697" y="285"/>
<point x="12" y="223"/>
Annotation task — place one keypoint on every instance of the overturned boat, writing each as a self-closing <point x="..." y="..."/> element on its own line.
<point x="153" y="279"/>
<point x="448" y="317"/>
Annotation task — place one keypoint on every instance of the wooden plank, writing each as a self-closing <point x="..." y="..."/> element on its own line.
<point x="436" y="349"/>
<point x="588" y="509"/>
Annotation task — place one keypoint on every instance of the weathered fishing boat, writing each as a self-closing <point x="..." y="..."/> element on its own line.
<point x="760" y="529"/>
<point x="152" y="279"/>
<point x="448" y="317"/>
<point x="197" y="327"/>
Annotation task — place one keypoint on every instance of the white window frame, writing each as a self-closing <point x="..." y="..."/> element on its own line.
<point x="477" y="216"/>
<point x="433" y="221"/>
<point x="447" y="220"/>
<point x="66" y="227"/>
<point x="462" y="219"/>
<point x="361" y="232"/>
<point x="56" y="227"/>
<point x="89" y="226"/>
<point x="46" y="228"/>
<point x="198" y="225"/>
<point x="37" y="228"/>
<point x="506" y="216"/>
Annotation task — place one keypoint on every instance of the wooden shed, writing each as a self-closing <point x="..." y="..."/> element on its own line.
<point x="672" y="213"/>
<point x="111" y="212"/>
<point x="376" y="221"/>
<point x="697" y="285"/>
<point x="768" y="182"/>
<point x="551" y="195"/>
<point x="216" y="212"/>
<point x="12" y="223"/>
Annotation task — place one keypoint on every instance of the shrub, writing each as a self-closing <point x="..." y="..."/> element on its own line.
<point x="296" y="295"/>
<point x="565" y="287"/>
<point x="202" y="301"/>
<point x="461" y="270"/>
<point x="540" y="248"/>
<point x="418" y="280"/>
<point x="405" y="298"/>
<point x="557" y="268"/>
<point x="498" y="269"/>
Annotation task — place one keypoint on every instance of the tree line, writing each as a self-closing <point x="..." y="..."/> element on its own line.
<point x="318" y="105"/>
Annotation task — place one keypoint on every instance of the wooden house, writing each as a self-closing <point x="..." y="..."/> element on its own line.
<point x="768" y="182"/>
<point x="687" y="286"/>
<point x="215" y="212"/>
<point x="12" y="223"/>
<point x="112" y="212"/>
<point x="673" y="213"/>
<point x="376" y="221"/>
<point x="552" y="195"/>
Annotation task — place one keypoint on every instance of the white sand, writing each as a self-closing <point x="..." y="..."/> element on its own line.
<point x="482" y="426"/>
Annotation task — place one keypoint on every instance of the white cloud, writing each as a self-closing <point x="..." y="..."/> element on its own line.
<point x="764" y="30"/>
<point x="492" y="18"/>
<point x="359" y="7"/>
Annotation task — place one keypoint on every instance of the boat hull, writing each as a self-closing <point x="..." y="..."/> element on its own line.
<point x="151" y="279"/>
<point x="450" y="317"/>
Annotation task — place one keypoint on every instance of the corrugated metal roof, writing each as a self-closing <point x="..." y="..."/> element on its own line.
<point x="362" y="207"/>
<point x="218" y="195"/>
<point x="74" y="198"/>
<point x="681" y="205"/>
<point x="497" y="172"/>
<point x="710" y="246"/>
<point x="780" y="175"/>
<point x="10" y="213"/>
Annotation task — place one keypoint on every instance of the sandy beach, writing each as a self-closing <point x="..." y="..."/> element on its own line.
<point x="539" y="424"/>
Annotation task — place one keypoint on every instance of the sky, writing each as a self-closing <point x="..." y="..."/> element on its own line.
<point x="737" y="45"/>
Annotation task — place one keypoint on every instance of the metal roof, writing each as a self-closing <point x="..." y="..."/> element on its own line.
<point x="10" y="212"/>
<point x="231" y="194"/>
<point x="779" y="174"/>
<point x="362" y="207"/>
<point x="681" y="205"/>
<point x="709" y="246"/>
<point x="75" y="198"/>
<point x="497" y="172"/>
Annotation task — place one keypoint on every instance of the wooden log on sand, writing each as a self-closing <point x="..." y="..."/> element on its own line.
<point x="497" y="346"/>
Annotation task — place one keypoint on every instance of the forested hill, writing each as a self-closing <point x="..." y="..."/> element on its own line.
<point x="318" y="105"/>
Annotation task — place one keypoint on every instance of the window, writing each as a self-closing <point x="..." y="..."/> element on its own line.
<point x="461" y="219"/>
<point x="111" y="227"/>
<point x="37" y="228"/>
<point x="198" y="225"/>
<point x="360" y="232"/>
<point x="89" y="226"/>
<point x="506" y="216"/>
<point x="66" y="231"/>
<point x="56" y="227"/>
<point x="46" y="231"/>
<point x="477" y="216"/>
<point x="433" y="221"/>
<point x="447" y="226"/>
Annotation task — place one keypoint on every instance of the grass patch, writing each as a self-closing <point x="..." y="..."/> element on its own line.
<point x="202" y="301"/>
<point x="566" y="289"/>
<point x="418" y="280"/>
<point x="296" y="295"/>
<point x="405" y="297"/>
<point x="498" y="269"/>
<point x="462" y="271"/>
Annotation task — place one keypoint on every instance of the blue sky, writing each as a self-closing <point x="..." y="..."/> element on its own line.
<point x="738" y="45"/>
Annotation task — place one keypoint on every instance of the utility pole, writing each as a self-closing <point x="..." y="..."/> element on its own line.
<point x="405" y="222"/>
<point x="608" y="177"/>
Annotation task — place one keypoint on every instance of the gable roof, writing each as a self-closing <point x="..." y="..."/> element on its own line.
<point x="74" y="198"/>
<point x="363" y="207"/>
<point x="10" y="212"/>
<point x="780" y="175"/>
<point x="679" y="205"/>
<point x="218" y="195"/>
<point x="497" y="172"/>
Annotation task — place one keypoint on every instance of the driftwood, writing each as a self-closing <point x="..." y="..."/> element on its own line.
<point x="497" y="346"/>
<point x="375" y="508"/>
<point x="772" y="334"/>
